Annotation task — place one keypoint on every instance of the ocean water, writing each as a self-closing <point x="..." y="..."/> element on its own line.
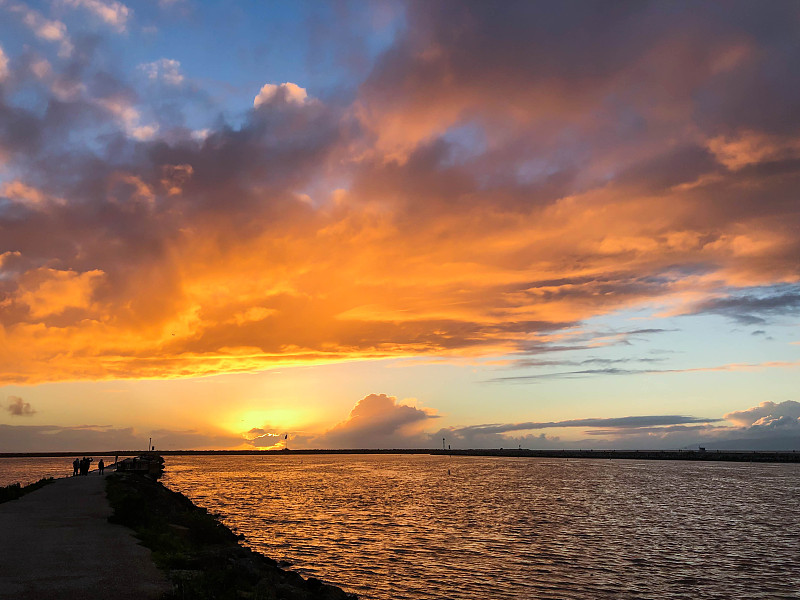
<point x="394" y="527"/>
<point x="29" y="470"/>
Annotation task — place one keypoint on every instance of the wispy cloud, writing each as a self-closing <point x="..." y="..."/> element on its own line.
<point x="754" y="308"/>
<point x="167" y="70"/>
<point x="111" y="12"/>
<point x="44" y="28"/>
<point x="19" y="408"/>
<point x="614" y="422"/>
<point x="617" y="371"/>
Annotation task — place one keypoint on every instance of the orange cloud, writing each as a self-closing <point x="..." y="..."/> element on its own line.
<point x="47" y="292"/>
<point x="753" y="147"/>
<point x="21" y="192"/>
<point x="472" y="199"/>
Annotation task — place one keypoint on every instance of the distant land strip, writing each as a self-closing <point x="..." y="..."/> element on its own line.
<point x="692" y="455"/>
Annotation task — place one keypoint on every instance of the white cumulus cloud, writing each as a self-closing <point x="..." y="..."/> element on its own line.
<point x="286" y="92"/>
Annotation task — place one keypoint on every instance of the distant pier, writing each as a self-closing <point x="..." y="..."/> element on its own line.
<point x="690" y="455"/>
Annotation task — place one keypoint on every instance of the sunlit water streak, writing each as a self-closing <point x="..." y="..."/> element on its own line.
<point x="399" y="527"/>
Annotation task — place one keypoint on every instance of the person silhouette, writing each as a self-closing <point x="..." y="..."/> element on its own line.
<point x="100" y="466"/>
<point x="75" y="465"/>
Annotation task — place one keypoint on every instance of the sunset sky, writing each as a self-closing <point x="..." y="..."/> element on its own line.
<point x="381" y="224"/>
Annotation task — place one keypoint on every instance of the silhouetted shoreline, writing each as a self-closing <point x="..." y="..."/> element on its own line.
<point x="690" y="455"/>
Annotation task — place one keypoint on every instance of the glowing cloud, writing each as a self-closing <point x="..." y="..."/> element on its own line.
<point x="285" y="92"/>
<point x="47" y="292"/>
<point x="19" y="191"/>
<point x="379" y="421"/>
<point x="767" y="413"/>
<point x="461" y="199"/>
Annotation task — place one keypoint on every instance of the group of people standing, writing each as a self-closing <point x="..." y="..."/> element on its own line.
<point x="81" y="466"/>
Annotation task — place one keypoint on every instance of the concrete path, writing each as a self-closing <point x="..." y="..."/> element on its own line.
<point x="56" y="543"/>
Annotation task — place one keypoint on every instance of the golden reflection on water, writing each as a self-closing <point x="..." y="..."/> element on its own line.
<point x="393" y="527"/>
<point x="29" y="470"/>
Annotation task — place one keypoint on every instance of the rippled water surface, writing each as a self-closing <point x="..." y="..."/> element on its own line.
<point x="27" y="470"/>
<point x="399" y="527"/>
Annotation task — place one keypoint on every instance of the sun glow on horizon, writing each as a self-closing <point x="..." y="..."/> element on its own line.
<point x="278" y="420"/>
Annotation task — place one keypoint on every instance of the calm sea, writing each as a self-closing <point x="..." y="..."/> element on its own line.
<point x="429" y="527"/>
<point x="471" y="528"/>
<point x="28" y="470"/>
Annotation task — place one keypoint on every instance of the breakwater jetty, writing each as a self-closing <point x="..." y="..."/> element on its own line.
<point x="126" y="536"/>
<point x="56" y="543"/>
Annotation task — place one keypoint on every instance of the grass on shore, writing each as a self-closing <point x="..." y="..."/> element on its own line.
<point x="15" y="490"/>
<point x="200" y="555"/>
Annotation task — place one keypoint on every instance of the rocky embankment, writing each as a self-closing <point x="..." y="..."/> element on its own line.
<point x="15" y="490"/>
<point x="201" y="556"/>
